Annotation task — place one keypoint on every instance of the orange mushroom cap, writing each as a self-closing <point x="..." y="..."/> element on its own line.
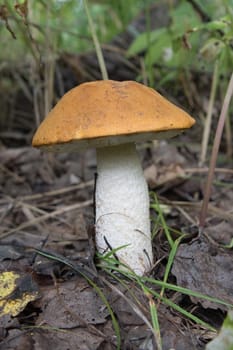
<point x="109" y="112"/>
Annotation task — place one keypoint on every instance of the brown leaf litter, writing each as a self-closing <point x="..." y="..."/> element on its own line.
<point x="46" y="204"/>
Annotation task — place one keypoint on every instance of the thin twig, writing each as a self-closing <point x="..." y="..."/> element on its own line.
<point x="205" y="170"/>
<point x="57" y="192"/>
<point x="214" y="154"/>
<point x="186" y="215"/>
<point x="49" y="65"/>
<point x="33" y="208"/>
<point x="213" y="210"/>
<point x="228" y="129"/>
<point x="47" y="216"/>
<point x="229" y="143"/>
<point x="206" y="132"/>
<point x="96" y="43"/>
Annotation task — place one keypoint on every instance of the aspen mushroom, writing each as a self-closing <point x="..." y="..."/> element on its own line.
<point x="111" y="116"/>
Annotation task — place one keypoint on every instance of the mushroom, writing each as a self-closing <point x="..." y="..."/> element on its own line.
<point x="112" y="116"/>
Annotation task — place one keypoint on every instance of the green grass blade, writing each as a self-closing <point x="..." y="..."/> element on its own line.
<point x="183" y="311"/>
<point x="157" y="208"/>
<point x="187" y="291"/>
<point x="170" y="262"/>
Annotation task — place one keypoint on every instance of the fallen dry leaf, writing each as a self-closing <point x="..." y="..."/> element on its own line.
<point x="71" y="304"/>
<point x="49" y="339"/>
<point x="161" y="175"/>
<point x="207" y="268"/>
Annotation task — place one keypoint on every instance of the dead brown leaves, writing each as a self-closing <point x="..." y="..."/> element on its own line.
<point x="46" y="203"/>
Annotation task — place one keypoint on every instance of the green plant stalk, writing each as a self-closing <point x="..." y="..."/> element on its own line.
<point x="170" y="262"/>
<point x="183" y="311"/>
<point x="98" y="50"/>
<point x="112" y="266"/>
<point x="186" y="291"/>
<point x="156" y="226"/>
<point x="153" y="310"/>
<point x="213" y="160"/>
<point x="153" y="313"/>
<point x="142" y="283"/>
<point x="206" y="132"/>
<point x="129" y="290"/>
<point x="49" y="66"/>
<point x="168" y="302"/>
<point x="148" y="39"/>
<point x="137" y="310"/>
<point x="155" y="322"/>
<point x="178" y="308"/>
<point x="154" y="318"/>
<point x="173" y="245"/>
<point x="163" y="222"/>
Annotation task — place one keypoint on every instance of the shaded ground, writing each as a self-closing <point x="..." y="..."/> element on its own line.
<point x="46" y="204"/>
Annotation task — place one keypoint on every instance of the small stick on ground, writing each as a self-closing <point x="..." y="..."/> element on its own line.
<point x="47" y="216"/>
<point x="59" y="191"/>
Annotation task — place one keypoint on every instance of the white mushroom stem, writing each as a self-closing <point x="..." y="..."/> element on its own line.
<point x="122" y="207"/>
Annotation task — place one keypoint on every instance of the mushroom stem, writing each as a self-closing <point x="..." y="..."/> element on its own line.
<point x="122" y="207"/>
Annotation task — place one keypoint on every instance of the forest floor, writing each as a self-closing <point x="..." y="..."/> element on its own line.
<point x="46" y="204"/>
<point x="47" y="244"/>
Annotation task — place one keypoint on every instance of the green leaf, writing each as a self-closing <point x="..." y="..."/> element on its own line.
<point x="212" y="49"/>
<point x="160" y="50"/>
<point x="141" y="42"/>
<point x="218" y="24"/>
<point x="168" y="77"/>
<point x="226" y="60"/>
<point x="184" y="18"/>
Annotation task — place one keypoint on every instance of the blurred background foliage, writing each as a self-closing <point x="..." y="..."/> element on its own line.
<point x="66" y="21"/>
<point x="199" y="32"/>
<point x="194" y="43"/>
